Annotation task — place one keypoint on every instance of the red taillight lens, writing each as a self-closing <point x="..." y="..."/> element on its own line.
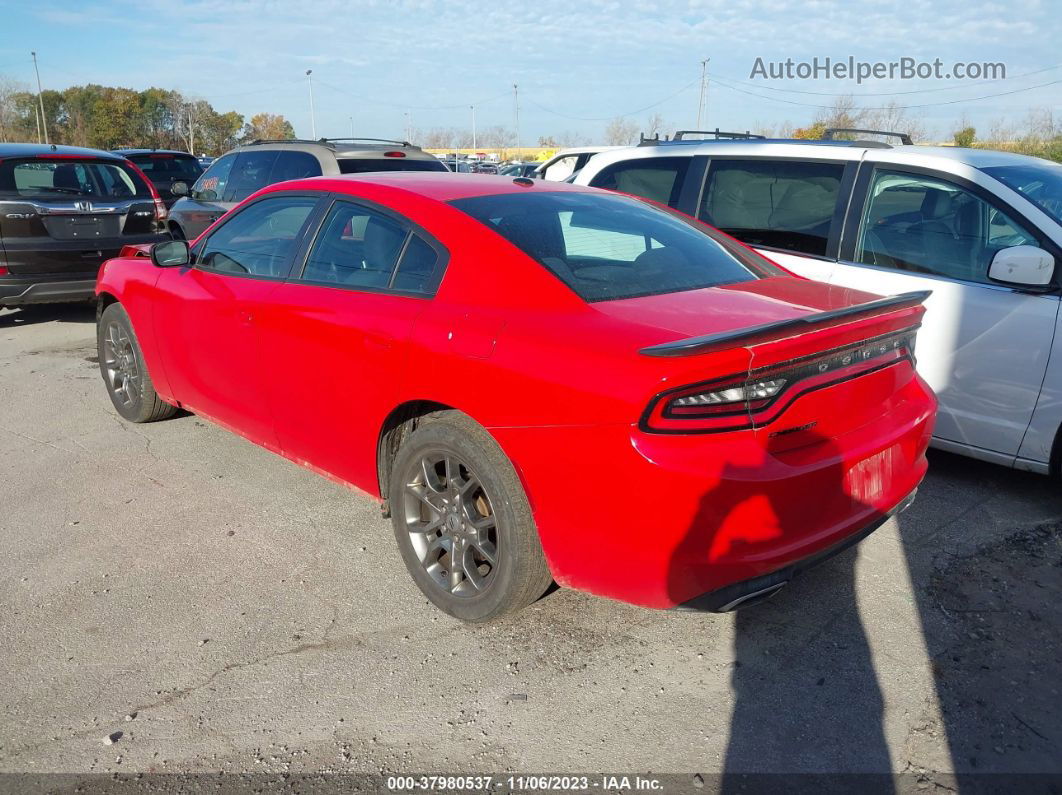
<point x="3" y="270"/>
<point x="394" y="154"/>
<point x="734" y="403"/>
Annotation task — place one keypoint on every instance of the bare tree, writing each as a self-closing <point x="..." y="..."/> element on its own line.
<point x="620" y="132"/>
<point x="656" y="125"/>
<point x="8" y="110"/>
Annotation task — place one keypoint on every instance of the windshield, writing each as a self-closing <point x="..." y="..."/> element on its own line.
<point x="165" y="167"/>
<point x="42" y="177"/>
<point x="1040" y="184"/>
<point x="362" y="165"/>
<point x="607" y="247"/>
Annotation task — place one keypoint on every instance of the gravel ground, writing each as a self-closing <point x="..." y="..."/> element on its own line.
<point x="179" y="600"/>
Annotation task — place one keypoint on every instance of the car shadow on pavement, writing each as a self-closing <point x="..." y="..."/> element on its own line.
<point x="47" y="313"/>
<point x="806" y="697"/>
<point x="988" y="586"/>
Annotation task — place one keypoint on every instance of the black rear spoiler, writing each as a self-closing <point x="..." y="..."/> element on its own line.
<point x="729" y="339"/>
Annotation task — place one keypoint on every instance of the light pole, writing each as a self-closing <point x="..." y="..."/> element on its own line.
<point x="40" y="97"/>
<point x="313" y="118"/>
<point x="702" y="104"/>
<point x="473" y="108"/>
<point x="352" y="127"/>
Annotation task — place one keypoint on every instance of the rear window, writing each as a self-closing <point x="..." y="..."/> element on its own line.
<point x="362" y="165"/>
<point x="52" y="179"/>
<point x="166" y="166"/>
<point x="607" y="247"/>
<point x="657" y="178"/>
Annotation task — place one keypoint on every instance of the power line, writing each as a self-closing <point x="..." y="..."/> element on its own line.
<point x="890" y="107"/>
<point x="890" y="93"/>
<point x="406" y="106"/>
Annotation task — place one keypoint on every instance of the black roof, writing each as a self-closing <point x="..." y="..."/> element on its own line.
<point x="32" y="150"/>
<point x="127" y="152"/>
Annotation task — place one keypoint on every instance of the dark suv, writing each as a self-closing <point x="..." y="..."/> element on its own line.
<point x="237" y="174"/>
<point x="164" y="167"/>
<point x="63" y="211"/>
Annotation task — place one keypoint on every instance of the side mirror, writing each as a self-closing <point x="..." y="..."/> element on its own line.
<point x="179" y="188"/>
<point x="1025" y="266"/>
<point x="170" y="254"/>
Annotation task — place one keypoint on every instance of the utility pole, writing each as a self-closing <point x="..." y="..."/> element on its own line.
<point x="409" y="127"/>
<point x="473" y="108"/>
<point x="37" y="116"/>
<point x="352" y="127"/>
<point x="516" y="116"/>
<point x="313" y="117"/>
<point x="40" y="99"/>
<point x="702" y="101"/>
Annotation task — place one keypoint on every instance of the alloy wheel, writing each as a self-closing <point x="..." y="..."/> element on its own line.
<point x="119" y="362"/>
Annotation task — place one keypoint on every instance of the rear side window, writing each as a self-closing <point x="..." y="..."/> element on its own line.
<point x="59" y="178"/>
<point x="294" y="165"/>
<point x="362" y="165"/>
<point x="780" y="204"/>
<point x="164" y="166"/>
<point x="658" y="178"/>
<point x="259" y="240"/>
<point x="361" y="248"/>
<point x="606" y="246"/>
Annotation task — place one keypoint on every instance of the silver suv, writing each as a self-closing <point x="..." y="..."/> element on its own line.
<point x="237" y="174"/>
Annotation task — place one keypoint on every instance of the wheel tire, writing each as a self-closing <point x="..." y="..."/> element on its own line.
<point x="519" y="574"/>
<point x="122" y="366"/>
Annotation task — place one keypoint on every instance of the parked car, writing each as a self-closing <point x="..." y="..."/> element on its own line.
<point x="458" y="166"/>
<point x="63" y="211"/>
<point x="980" y="229"/>
<point x="567" y="162"/>
<point x="239" y="173"/>
<point x="205" y="161"/>
<point x="164" y="167"/>
<point x="538" y="380"/>
<point x="518" y="169"/>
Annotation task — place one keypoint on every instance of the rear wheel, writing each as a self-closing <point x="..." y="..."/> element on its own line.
<point x="462" y="521"/>
<point x="124" y="372"/>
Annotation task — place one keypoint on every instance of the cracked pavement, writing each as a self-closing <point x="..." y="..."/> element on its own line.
<point x="248" y="615"/>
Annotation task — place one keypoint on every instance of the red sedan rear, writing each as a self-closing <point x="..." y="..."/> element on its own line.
<point x="539" y="381"/>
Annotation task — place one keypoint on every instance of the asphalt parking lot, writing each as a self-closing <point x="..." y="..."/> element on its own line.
<point x="225" y="610"/>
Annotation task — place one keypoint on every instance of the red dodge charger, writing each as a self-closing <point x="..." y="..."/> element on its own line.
<point x="539" y="381"/>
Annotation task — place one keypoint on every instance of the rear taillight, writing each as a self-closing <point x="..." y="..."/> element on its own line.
<point x="735" y="402"/>
<point x="394" y="154"/>
<point x="160" y="205"/>
<point x="3" y="270"/>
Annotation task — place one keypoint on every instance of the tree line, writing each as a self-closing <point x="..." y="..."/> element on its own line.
<point x="111" y="117"/>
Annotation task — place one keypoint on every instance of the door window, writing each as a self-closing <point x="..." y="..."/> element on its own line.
<point x="250" y="172"/>
<point x="356" y="247"/>
<point x="259" y="240"/>
<point x="928" y="225"/>
<point x="783" y="204"/>
<point x="657" y="178"/>
<point x="561" y="169"/>
<point x="213" y="182"/>
<point x="294" y="165"/>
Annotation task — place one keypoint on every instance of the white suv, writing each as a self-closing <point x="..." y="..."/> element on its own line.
<point x="981" y="229"/>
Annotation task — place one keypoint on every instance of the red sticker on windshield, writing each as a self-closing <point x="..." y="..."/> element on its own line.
<point x="210" y="184"/>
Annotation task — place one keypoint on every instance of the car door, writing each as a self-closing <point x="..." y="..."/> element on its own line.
<point x="204" y="204"/>
<point x="789" y="210"/>
<point x="206" y="314"/>
<point x="335" y="335"/>
<point x="983" y="347"/>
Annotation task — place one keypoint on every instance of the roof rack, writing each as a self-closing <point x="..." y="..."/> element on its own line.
<point x="828" y="135"/>
<point x="368" y="140"/>
<point x="720" y="134"/>
<point x="257" y="141"/>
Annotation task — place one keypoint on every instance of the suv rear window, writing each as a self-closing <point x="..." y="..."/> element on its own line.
<point x="165" y="166"/>
<point x="784" y="204"/>
<point x="607" y="247"/>
<point x="361" y="165"/>
<point x="656" y="178"/>
<point x="45" y="178"/>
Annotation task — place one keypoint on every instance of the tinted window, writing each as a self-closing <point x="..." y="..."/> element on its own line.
<point x="211" y="186"/>
<point x="416" y="270"/>
<point x="258" y="240"/>
<point x="364" y="164"/>
<point x="54" y="179"/>
<point x="356" y="247"/>
<point x="1040" y="183"/>
<point x="250" y="172"/>
<point x="294" y="165"/>
<point x="658" y="178"/>
<point x="929" y="225"/>
<point x="780" y="204"/>
<point x="607" y="246"/>
<point x="165" y="167"/>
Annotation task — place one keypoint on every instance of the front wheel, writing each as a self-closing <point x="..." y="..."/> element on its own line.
<point x="124" y="372"/>
<point x="462" y="521"/>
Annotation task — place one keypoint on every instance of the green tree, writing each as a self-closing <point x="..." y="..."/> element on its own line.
<point x="965" y="136"/>
<point x="268" y="126"/>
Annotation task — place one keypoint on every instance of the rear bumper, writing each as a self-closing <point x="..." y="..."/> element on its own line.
<point x="27" y="290"/>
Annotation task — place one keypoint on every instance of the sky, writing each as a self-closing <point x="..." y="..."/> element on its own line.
<point x="384" y="64"/>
